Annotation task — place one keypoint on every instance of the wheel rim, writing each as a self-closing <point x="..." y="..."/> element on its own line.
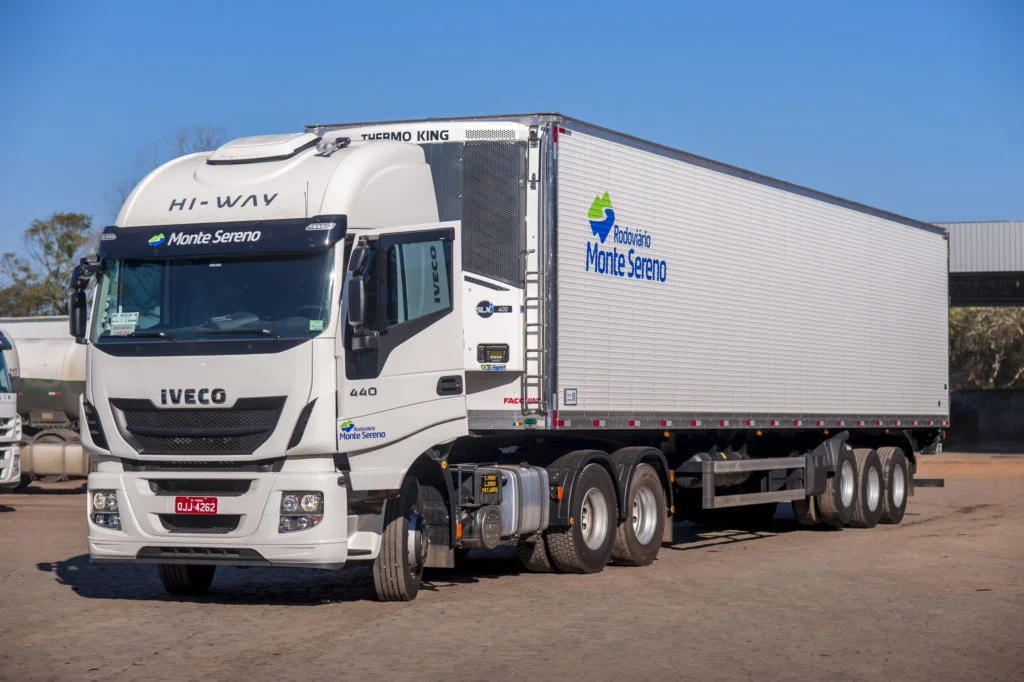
<point x="899" y="486"/>
<point x="874" y="489"/>
<point x="846" y="483"/>
<point x="416" y="548"/>
<point x="594" y="518"/>
<point x="644" y="515"/>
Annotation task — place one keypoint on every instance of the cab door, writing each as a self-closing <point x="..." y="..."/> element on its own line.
<point x="402" y="370"/>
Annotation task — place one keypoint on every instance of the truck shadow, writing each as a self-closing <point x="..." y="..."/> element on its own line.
<point x="256" y="586"/>
<point x="5" y="508"/>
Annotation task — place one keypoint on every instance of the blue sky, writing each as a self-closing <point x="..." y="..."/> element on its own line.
<point x="916" y="107"/>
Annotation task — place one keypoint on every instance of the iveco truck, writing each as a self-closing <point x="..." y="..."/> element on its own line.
<point x="10" y="422"/>
<point x="388" y="343"/>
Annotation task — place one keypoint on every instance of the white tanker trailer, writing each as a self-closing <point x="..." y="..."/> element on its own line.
<point x="48" y="384"/>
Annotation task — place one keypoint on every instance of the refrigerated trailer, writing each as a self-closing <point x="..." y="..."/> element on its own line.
<point x="391" y="342"/>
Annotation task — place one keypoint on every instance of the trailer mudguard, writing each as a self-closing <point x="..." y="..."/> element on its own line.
<point x="821" y="461"/>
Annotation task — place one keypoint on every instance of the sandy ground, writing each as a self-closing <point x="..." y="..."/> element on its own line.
<point x="940" y="597"/>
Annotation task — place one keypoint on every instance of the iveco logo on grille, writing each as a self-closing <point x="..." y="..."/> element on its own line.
<point x="193" y="396"/>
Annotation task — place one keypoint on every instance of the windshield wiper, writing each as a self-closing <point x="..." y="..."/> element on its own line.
<point x="148" y="333"/>
<point x="243" y="330"/>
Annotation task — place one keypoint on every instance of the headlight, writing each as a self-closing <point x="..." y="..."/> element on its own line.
<point x="104" y="500"/>
<point x="300" y="510"/>
<point x="312" y="503"/>
<point x="105" y="509"/>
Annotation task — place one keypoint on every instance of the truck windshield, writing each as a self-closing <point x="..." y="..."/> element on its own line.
<point x="175" y="299"/>
<point x="5" y="379"/>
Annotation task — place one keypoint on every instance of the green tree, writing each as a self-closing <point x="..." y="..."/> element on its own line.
<point x="986" y="347"/>
<point x="184" y="140"/>
<point x="36" y="284"/>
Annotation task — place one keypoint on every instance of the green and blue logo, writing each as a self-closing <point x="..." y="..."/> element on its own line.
<point x="602" y="216"/>
<point x="347" y="425"/>
<point x="157" y="239"/>
<point x="626" y="263"/>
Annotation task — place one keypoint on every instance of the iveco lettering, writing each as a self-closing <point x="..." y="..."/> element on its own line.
<point x="383" y="344"/>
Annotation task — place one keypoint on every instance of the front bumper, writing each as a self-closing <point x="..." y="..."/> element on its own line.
<point x="254" y="540"/>
<point x="10" y="465"/>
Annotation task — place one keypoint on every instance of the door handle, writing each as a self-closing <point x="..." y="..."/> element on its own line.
<point x="451" y="385"/>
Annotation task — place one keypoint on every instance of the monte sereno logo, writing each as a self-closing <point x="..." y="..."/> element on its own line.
<point x="613" y="262"/>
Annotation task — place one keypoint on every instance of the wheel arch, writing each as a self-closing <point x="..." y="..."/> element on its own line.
<point x="626" y="460"/>
<point x="564" y="472"/>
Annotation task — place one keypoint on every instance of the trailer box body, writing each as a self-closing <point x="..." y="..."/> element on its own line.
<point x="689" y="291"/>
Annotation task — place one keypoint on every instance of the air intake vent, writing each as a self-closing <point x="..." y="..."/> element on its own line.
<point x="490" y="134"/>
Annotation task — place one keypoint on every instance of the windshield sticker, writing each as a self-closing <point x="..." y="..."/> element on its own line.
<point x="123" y="324"/>
<point x="316" y="325"/>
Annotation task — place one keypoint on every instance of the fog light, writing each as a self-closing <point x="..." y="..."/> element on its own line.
<point x="107" y="520"/>
<point x="290" y="524"/>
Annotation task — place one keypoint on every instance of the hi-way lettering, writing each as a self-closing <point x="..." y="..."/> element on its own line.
<point x="227" y="201"/>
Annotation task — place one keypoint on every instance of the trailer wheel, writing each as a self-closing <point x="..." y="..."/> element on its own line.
<point x="533" y="553"/>
<point x="186" y="579"/>
<point x="806" y="511"/>
<point x="896" y="478"/>
<point x="868" y="507"/>
<point x="638" y="538"/>
<point x="585" y="546"/>
<point x="398" y="568"/>
<point x="835" y="505"/>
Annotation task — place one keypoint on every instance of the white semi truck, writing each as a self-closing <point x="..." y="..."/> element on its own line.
<point x="10" y="421"/>
<point x="387" y="343"/>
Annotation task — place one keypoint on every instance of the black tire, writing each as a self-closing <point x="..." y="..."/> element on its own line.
<point x="395" y="578"/>
<point x="896" y="480"/>
<point x="835" y="505"/>
<point x="646" y="513"/>
<point x="569" y="547"/>
<point x="186" y="579"/>
<point x="868" y="507"/>
<point x="533" y="553"/>
<point x="806" y="511"/>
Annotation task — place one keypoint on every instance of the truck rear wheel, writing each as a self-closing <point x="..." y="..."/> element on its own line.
<point x="398" y="568"/>
<point x="835" y="505"/>
<point x="638" y="538"/>
<point x="868" y="506"/>
<point x="533" y="553"/>
<point x="585" y="546"/>
<point x="895" y="478"/>
<point x="186" y="579"/>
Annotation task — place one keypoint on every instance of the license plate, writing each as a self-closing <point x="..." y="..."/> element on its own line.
<point x="195" y="505"/>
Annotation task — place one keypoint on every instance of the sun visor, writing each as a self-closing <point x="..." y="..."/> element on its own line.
<point x="238" y="238"/>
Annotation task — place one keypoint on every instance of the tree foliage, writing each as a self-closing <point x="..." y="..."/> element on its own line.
<point x="986" y="347"/>
<point x="184" y="140"/>
<point x="36" y="283"/>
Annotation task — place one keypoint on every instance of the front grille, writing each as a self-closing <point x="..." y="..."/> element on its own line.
<point x="199" y="486"/>
<point x="261" y="467"/>
<point x="237" y="430"/>
<point x="212" y="524"/>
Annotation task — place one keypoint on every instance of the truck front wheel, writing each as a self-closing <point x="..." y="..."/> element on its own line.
<point x="585" y="546"/>
<point x="186" y="579"/>
<point x="398" y="568"/>
<point x="638" y="538"/>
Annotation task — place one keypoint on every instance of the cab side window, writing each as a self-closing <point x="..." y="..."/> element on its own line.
<point x="418" y="280"/>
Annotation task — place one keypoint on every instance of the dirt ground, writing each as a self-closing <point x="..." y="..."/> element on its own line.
<point x="939" y="597"/>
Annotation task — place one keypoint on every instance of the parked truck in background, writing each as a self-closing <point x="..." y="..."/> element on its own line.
<point x="386" y="343"/>
<point x="49" y="388"/>
<point x="10" y="421"/>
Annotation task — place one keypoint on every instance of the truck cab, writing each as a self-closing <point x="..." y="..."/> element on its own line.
<point x="10" y="421"/>
<point x="276" y="340"/>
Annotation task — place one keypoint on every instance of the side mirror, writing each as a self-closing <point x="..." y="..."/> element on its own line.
<point x="77" y="313"/>
<point x="356" y="302"/>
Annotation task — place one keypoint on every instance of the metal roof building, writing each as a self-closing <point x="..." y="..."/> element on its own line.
<point x="986" y="263"/>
